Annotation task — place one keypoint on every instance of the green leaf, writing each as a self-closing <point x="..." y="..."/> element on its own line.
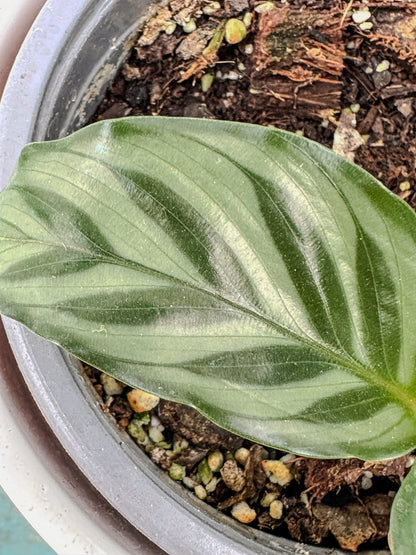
<point x="246" y="271"/>
<point x="402" y="536"/>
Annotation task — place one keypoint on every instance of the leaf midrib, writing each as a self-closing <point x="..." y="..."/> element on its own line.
<point x="367" y="374"/>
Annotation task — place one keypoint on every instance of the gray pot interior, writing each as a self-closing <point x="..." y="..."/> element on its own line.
<point x="71" y="53"/>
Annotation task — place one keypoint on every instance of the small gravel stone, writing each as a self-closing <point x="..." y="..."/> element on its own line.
<point x="241" y="455"/>
<point x="200" y="492"/>
<point x="276" y="509"/>
<point x="360" y="16"/>
<point x="135" y="429"/>
<point x="247" y="19"/>
<point x="366" y="26"/>
<point x="189" y="26"/>
<point x="277" y="472"/>
<point x="381" y="79"/>
<point x="170" y="28"/>
<point x="243" y="512"/>
<point x="111" y="385"/>
<point x="211" y="8"/>
<point x="210" y="487"/>
<point x="268" y="499"/>
<point x="155" y="434"/>
<point x="215" y="460"/>
<point x="382" y="66"/>
<point x="204" y="472"/>
<point x="235" y="31"/>
<point x="404" y="186"/>
<point x="289" y="456"/>
<point x="179" y="445"/>
<point x="206" y="81"/>
<point x="189" y="482"/>
<point x="141" y="401"/>
<point x="159" y="456"/>
<point x="366" y="482"/>
<point x="231" y="76"/>
<point x="233" y="476"/>
<point x="177" y="472"/>
<point x="410" y="461"/>
<point x="264" y="7"/>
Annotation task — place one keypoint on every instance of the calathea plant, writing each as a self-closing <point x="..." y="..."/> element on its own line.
<point x="248" y="272"/>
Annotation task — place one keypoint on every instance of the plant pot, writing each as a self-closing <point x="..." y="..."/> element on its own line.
<point x="69" y="57"/>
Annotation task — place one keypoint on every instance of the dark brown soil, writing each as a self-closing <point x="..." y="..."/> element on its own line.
<point x="307" y="67"/>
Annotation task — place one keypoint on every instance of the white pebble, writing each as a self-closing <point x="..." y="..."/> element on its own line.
<point x="366" y="26"/>
<point x="366" y="482"/>
<point x="155" y="434"/>
<point x="410" y="461"/>
<point x="361" y="15"/>
<point x="155" y="421"/>
<point x="289" y="456"/>
<point x="231" y="76"/>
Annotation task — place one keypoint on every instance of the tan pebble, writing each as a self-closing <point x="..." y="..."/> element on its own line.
<point x="210" y="487"/>
<point x="233" y="476"/>
<point x="141" y="401"/>
<point x="200" y="492"/>
<point x="241" y="455"/>
<point x="277" y="471"/>
<point x="276" y="509"/>
<point x="215" y="460"/>
<point x="243" y="513"/>
<point x="268" y="499"/>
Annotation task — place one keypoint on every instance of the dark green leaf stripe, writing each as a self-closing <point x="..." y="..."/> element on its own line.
<point x="245" y="271"/>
